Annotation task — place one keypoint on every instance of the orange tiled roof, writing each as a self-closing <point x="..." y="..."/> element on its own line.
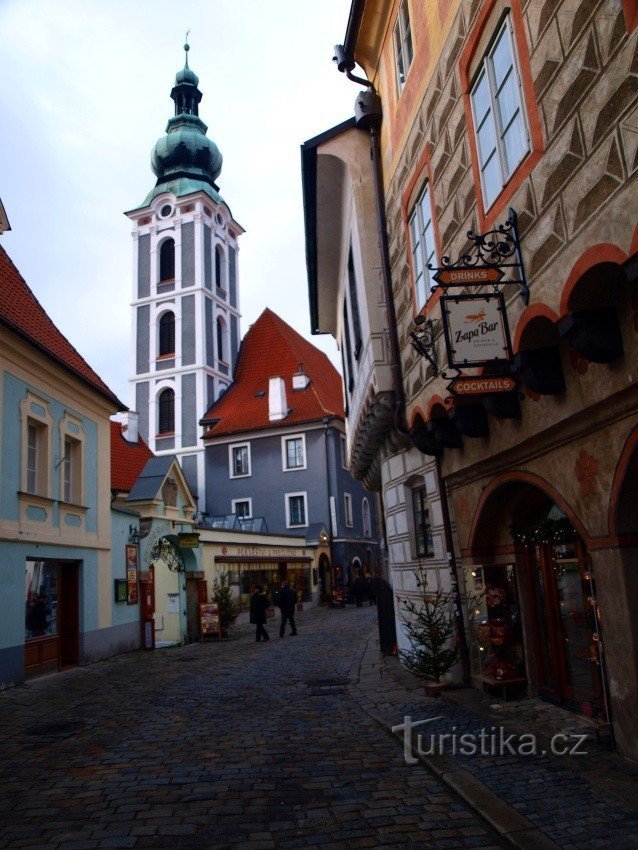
<point x="21" y="312"/>
<point x="271" y="348"/>
<point x="127" y="459"/>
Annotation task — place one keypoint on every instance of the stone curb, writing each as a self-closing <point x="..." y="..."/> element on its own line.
<point x="503" y="818"/>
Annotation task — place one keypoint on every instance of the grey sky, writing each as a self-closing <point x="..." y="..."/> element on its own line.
<point x="85" y="95"/>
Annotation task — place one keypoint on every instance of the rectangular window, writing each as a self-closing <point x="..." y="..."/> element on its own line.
<point x="344" y="452"/>
<point x="354" y="306"/>
<point x="41" y="598"/>
<point x="33" y="456"/>
<point x="422" y="527"/>
<point x="423" y="246"/>
<point x="239" y="460"/>
<point x="296" y="513"/>
<point x="347" y="502"/>
<point x="348" y="347"/>
<point x="294" y="453"/>
<point x="402" y="39"/>
<point x="500" y="128"/>
<point x="242" y="508"/>
<point x="68" y="470"/>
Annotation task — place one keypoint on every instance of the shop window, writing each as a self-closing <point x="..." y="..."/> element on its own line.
<point x="402" y="41"/>
<point x="423" y="246"/>
<point x="296" y="510"/>
<point x="500" y="127"/>
<point x="424" y="543"/>
<point x="167" y="334"/>
<point x="239" y="456"/>
<point x="166" y="403"/>
<point x="242" y="508"/>
<point x="347" y="505"/>
<point x="41" y="599"/>
<point x="365" y="513"/>
<point x="167" y="261"/>
<point x="294" y="452"/>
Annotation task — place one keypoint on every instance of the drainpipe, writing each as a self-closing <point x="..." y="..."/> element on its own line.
<point x="368" y="116"/>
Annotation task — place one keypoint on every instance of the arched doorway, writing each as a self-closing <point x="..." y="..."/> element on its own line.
<point x="537" y="577"/>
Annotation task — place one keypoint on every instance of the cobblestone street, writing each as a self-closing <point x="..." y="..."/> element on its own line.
<point x="238" y="745"/>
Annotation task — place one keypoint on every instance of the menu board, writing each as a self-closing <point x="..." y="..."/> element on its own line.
<point x="131" y="575"/>
<point x="209" y="620"/>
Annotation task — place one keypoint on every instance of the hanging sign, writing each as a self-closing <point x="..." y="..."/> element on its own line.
<point x="188" y="540"/>
<point x="471" y="276"/>
<point x="131" y="575"/>
<point x="476" y="330"/>
<point x="482" y="385"/>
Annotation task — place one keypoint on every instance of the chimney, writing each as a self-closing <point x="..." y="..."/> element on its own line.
<point x="300" y="379"/>
<point x="130" y="421"/>
<point x="277" y="406"/>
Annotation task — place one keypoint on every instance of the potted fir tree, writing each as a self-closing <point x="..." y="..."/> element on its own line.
<point x="223" y="598"/>
<point x="431" y="630"/>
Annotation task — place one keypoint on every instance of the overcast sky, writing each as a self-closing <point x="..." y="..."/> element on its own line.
<point x="85" y="95"/>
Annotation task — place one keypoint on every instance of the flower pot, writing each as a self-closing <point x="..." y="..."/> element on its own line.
<point x="433" y="689"/>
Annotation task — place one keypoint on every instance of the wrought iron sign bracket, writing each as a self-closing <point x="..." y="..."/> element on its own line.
<point x="422" y="340"/>
<point x="491" y="256"/>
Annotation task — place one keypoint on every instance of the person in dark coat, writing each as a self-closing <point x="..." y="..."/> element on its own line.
<point x="359" y="591"/>
<point x="371" y="588"/>
<point x="258" y="613"/>
<point x="287" y="602"/>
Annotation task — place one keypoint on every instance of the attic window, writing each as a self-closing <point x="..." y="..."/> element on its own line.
<point x="260" y="393"/>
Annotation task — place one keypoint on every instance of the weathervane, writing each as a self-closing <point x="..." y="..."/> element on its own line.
<point x="187" y="46"/>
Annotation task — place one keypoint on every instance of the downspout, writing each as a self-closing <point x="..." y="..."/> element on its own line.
<point x="368" y="115"/>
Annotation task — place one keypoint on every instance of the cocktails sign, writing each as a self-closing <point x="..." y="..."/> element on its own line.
<point x="476" y="330"/>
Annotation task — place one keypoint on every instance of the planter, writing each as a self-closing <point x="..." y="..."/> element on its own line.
<point x="434" y="689"/>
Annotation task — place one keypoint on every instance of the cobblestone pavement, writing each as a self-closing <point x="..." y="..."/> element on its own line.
<point x="232" y="745"/>
<point x="577" y="803"/>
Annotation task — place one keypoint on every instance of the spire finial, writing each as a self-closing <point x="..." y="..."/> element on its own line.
<point x="187" y="47"/>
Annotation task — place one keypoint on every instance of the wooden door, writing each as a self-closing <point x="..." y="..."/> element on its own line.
<point x="69" y="615"/>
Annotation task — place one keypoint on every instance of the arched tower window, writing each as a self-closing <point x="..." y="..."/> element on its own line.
<point x="219" y="265"/>
<point x="220" y="339"/>
<point x="167" y="260"/>
<point x="166" y="404"/>
<point x="167" y="334"/>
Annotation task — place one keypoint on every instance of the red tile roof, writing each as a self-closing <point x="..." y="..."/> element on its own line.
<point x="127" y="459"/>
<point x="271" y="348"/>
<point x="21" y="312"/>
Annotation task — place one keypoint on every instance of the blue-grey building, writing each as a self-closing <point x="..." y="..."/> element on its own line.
<point x="276" y="448"/>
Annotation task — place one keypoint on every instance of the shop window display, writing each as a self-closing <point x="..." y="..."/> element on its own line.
<point x="41" y="598"/>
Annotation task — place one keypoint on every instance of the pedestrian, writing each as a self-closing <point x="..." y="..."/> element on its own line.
<point x="359" y="591"/>
<point x="286" y="599"/>
<point x="371" y="588"/>
<point x="259" y="613"/>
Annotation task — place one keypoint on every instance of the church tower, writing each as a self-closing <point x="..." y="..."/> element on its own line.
<point x="185" y="288"/>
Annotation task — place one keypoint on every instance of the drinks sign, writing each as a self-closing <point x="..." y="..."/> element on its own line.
<point x="476" y="330"/>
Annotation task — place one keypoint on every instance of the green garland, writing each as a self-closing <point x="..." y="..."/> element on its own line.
<point x="544" y="531"/>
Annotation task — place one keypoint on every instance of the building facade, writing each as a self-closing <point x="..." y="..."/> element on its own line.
<point x="55" y="516"/>
<point x="186" y="320"/>
<point x="275" y="447"/>
<point x="510" y="121"/>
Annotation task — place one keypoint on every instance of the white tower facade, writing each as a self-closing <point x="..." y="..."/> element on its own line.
<point x="185" y="305"/>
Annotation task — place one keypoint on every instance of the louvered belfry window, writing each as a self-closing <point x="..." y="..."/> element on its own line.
<point x="167" y="334"/>
<point x="167" y="412"/>
<point x="167" y="260"/>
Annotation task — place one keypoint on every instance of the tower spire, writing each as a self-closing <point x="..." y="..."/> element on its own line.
<point x="187" y="47"/>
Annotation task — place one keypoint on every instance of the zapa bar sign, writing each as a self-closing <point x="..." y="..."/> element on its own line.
<point x="476" y="276"/>
<point x="482" y="386"/>
<point x="475" y="329"/>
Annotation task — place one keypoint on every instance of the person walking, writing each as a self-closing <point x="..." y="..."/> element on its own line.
<point x="259" y="613"/>
<point x="287" y="602"/>
<point x="371" y="588"/>
<point x="359" y="591"/>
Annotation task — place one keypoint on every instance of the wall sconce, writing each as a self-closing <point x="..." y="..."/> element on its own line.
<point x="133" y="535"/>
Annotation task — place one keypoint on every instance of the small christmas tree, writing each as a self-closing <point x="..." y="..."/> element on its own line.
<point x="431" y="630"/>
<point x="223" y="598"/>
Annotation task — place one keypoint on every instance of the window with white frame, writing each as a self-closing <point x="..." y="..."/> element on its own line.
<point x="239" y="459"/>
<point x="167" y="334"/>
<point x="423" y="245"/>
<point x="294" y="452"/>
<point x="365" y="513"/>
<point x="347" y="505"/>
<point x="166" y="412"/>
<point x="242" y="508"/>
<point x="422" y="526"/>
<point x="402" y="40"/>
<point x="296" y="510"/>
<point x="502" y="138"/>
<point x="344" y="452"/>
<point x="36" y="450"/>
<point x="35" y="435"/>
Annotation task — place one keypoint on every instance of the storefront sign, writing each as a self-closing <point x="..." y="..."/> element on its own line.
<point x="474" y="276"/>
<point x="188" y="541"/>
<point x="131" y="575"/>
<point x="482" y="386"/>
<point x="476" y="330"/>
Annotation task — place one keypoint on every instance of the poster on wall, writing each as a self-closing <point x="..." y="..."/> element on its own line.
<point x="476" y="329"/>
<point x="209" y="623"/>
<point x="131" y="575"/>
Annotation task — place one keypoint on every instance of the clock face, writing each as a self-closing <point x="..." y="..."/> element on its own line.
<point x="166" y="211"/>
